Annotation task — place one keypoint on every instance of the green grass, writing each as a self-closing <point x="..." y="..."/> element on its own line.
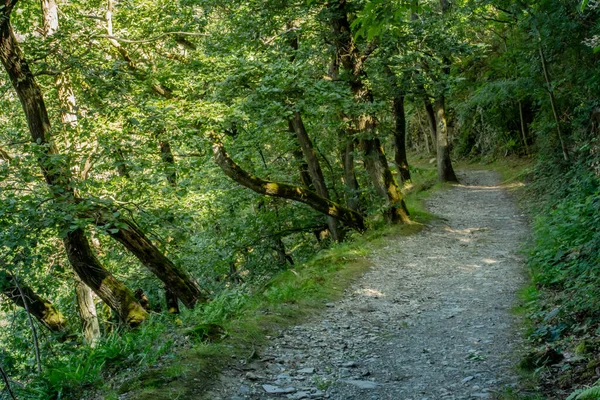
<point x="247" y="317"/>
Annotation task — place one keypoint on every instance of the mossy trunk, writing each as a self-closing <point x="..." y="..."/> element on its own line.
<point x="58" y="178"/>
<point x="42" y="310"/>
<point x="315" y="171"/>
<point x="133" y="238"/>
<point x="352" y="60"/>
<point x="299" y="157"/>
<point x="384" y="182"/>
<point x="87" y="312"/>
<point x="430" y="112"/>
<point x="277" y="189"/>
<point x="104" y="284"/>
<point x="444" y="165"/>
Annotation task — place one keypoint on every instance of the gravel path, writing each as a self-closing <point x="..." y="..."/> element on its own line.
<point x="431" y="319"/>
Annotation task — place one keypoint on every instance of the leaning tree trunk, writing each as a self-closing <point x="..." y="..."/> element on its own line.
<point x="133" y="238"/>
<point x="113" y="292"/>
<point x="57" y="177"/>
<point x="69" y="118"/>
<point x="316" y="173"/>
<point x="444" y="165"/>
<point x="42" y="310"/>
<point x="278" y="189"/>
<point x="299" y="157"/>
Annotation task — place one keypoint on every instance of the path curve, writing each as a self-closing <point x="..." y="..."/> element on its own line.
<point x="431" y="320"/>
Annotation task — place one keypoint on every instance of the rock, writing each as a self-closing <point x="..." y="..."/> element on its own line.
<point x="298" y="396"/>
<point x="480" y="395"/>
<point x="244" y="389"/>
<point x="350" y="364"/>
<point x="362" y="384"/>
<point x="237" y="398"/>
<point x="317" y="394"/>
<point x="308" y="370"/>
<point x="251" y="376"/>
<point x="271" y="389"/>
<point x="467" y="379"/>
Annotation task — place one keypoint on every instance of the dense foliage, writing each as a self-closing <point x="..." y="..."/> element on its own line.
<point x="204" y="146"/>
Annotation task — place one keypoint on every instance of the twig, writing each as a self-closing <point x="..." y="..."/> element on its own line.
<point x="7" y="383"/>
<point x="36" y="345"/>
<point x="153" y="39"/>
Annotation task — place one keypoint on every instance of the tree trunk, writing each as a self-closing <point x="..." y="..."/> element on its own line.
<point x="129" y="235"/>
<point x="87" y="312"/>
<point x="284" y="190"/>
<point x="166" y="154"/>
<point x="58" y="177"/>
<point x="302" y="165"/>
<point x="444" y="165"/>
<point x="172" y="302"/>
<point x="523" y="128"/>
<point x="315" y="171"/>
<point x="400" y="138"/>
<point x="42" y="310"/>
<point x="384" y="182"/>
<point x="432" y="124"/>
<point x="352" y="188"/>
<point x="353" y="62"/>
<point x="106" y="286"/>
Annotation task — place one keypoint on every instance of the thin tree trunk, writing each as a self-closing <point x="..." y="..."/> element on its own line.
<point x="352" y="188"/>
<point x="284" y="190"/>
<point x="299" y="156"/>
<point x="87" y="312"/>
<point x="36" y="343"/>
<point x="168" y="159"/>
<point x="44" y="311"/>
<point x="553" y="103"/>
<point x="430" y="112"/>
<point x="424" y="131"/>
<point x="444" y="165"/>
<point x="400" y="139"/>
<point x="316" y="173"/>
<point x="7" y="383"/>
<point x="523" y="129"/>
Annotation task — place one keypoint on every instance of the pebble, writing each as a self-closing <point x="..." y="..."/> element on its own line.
<point x="271" y="389"/>
<point x="362" y="384"/>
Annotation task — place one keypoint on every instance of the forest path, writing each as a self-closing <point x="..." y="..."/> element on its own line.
<point x="431" y="319"/>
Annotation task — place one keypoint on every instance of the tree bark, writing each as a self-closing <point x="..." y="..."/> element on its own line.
<point x="108" y="288"/>
<point x="58" y="177"/>
<point x="166" y="154"/>
<point x="284" y="190"/>
<point x="87" y="312"/>
<point x="133" y="238"/>
<point x="42" y="310"/>
<point x="444" y="165"/>
<point x="432" y="124"/>
<point x="523" y="128"/>
<point x="315" y="171"/>
<point x="400" y="138"/>
<point x="172" y="302"/>
<point x="353" y="189"/>
<point x="353" y="62"/>
<point x="299" y="156"/>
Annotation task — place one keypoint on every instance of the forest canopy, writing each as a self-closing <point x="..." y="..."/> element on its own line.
<point x="158" y="155"/>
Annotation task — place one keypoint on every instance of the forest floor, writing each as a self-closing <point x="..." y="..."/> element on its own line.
<point x="432" y="319"/>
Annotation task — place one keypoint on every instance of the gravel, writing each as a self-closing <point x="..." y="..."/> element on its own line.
<point x="430" y="320"/>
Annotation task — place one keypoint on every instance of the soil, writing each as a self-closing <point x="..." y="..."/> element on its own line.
<point x="431" y="319"/>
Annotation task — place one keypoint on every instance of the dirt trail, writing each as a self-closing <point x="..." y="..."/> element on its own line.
<point x="431" y="319"/>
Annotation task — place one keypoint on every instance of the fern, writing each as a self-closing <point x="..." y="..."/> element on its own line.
<point x="592" y="393"/>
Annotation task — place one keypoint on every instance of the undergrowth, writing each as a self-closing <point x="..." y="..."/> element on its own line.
<point x="178" y="356"/>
